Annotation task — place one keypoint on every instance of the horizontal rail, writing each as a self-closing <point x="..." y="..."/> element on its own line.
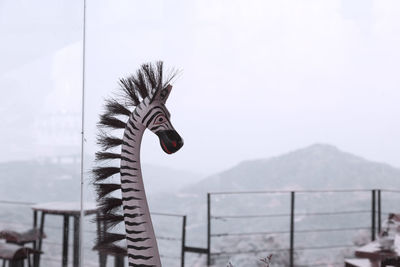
<point x="170" y="257"/>
<point x="390" y="190"/>
<point x="221" y="217"/>
<point x="332" y="230"/>
<point x="326" y="247"/>
<point x="289" y="191"/>
<point x="46" y="227"/>
<point x="16" y="202"/>
<point x="248" y="251"/>
<point x="169" y="238"/>
<point x="166" y="214"/>
<point x="16" y="223"/>
<point x="158" y="237"/>
<point x="320" y="264"/>
<point x="249" y="234"/>
<point x="10" y="202"/>
<point x="196" y="250"/>
<point x="266" y="250"/>
<point x="297" y="231"/>
<point x="332" y="213"/>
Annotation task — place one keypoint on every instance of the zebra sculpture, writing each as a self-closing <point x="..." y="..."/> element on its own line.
<point x="146" y="92"/>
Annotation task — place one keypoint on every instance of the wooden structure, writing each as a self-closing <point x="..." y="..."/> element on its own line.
<point x="67" y="210"/>
<point x="15" y="255"/>
<point x="377" y="256"/>
<point x="14" y="250"/>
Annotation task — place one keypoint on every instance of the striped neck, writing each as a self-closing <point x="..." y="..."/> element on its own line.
<point x="140" y="237"/>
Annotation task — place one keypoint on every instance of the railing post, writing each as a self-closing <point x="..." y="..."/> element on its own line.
<point x="35" y="226"/>
<point x="36" y="257"/>
<point x="34" y="219"/>
<point x="292" y="195"/>
<point x="183" y="241"/>
<point x="379" y="212"/>
<point x="208" y="229"/>
<point x="65" y="241"/>
<point x="76" y="236"/>
<point x="373" y="216"/>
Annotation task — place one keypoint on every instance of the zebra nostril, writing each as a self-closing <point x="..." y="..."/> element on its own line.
<point x="173" y="143"/>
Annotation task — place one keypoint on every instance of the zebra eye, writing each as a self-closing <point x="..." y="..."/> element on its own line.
<point x="160" y="119"/>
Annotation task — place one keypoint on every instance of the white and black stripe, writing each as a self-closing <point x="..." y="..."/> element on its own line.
<point x="140" y="238"/>
<point x="147" y="92"/>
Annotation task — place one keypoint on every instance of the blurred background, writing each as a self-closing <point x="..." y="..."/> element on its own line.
<point x="272" y="95"/>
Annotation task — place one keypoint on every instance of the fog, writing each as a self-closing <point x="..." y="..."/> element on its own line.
<point x="258" y="78"/>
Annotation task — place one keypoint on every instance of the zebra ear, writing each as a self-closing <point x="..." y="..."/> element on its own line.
<point x="161" y="95"/>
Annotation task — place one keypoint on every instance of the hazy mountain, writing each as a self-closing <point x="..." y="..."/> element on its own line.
<point x="59" y="180"/>
<point x="43" y="181"/>
<point x="318" y="166"/>
<point x="158" y="179"/>
<point x="314" y="167"/>
<point x="39" y="181"/>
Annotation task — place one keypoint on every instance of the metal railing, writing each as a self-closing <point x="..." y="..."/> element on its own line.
<point x="179" y="259"/>
<point x="181" y="239"/>
<point x="373" y="200"/>
<point x="375" y="212"/>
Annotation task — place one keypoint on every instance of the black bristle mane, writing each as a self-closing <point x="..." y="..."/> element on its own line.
<point x="105" y="189"/>
<point x="109" y="204"/>
<point x="107" y="142"/>
<point x="147" y="80"/>
<point x="139" y="86"/>
<point x="113" y="107"/>
<point x="106" y="120"/>
<point x="101" y="173"/>
<point x="108" y="238"/>
<point x="107" y="156"/>
<point x="127" y="88"/>
<point x="110" y="219"/>
<point x="152" y="74"/>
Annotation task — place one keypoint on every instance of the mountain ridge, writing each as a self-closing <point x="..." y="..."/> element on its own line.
<point x="318" y="166"/>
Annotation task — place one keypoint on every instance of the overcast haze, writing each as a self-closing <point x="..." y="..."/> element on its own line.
<point x="259" y="78"/>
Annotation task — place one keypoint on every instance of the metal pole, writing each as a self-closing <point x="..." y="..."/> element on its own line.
<point x="34" y="219"/>
<point x="65" y="241"/>
<point x="208" y="229"/>
<point x="379" y="211"/>
<point x="35" y="227"/>
<point x="183" y="241"/>
<point x="76" y="255"/>
<point x="373" y="216"/>
<point x="36" y="257"/>
<point x="292" y="195"/>
<point x="82" y="134"/>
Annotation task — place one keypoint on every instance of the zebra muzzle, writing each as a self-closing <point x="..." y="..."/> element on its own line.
<point x="170" y="141"/>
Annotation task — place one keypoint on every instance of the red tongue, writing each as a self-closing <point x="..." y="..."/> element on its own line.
<point x="165" y="147"/>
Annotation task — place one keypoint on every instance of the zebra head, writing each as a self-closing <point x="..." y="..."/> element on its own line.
<point x="157" y="119"/>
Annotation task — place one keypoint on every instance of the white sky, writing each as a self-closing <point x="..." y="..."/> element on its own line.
<point x="260" y="78"/>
